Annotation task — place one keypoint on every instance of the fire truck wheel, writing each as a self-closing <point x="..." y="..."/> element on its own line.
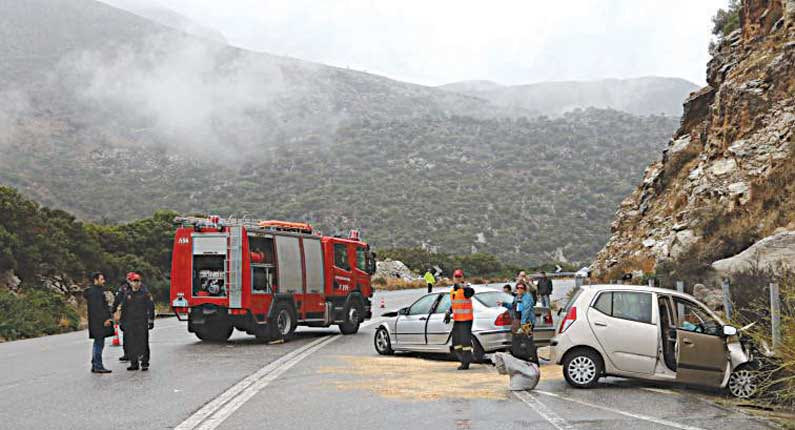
<point x="353" y="313"/>
<point x="285" y="320"/>
<point x="214" y="332"/>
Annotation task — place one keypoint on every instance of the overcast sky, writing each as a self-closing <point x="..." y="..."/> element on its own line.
<point x="434" y="42"/>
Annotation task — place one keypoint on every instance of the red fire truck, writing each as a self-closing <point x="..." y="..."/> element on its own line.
<point x="266" y="278"/>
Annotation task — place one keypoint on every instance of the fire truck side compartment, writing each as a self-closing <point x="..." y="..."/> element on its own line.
<point x="288" y="253"/>
<point x="313" y="255"/>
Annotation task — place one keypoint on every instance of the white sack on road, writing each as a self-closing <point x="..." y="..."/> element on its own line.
<point x="524" y="375"/>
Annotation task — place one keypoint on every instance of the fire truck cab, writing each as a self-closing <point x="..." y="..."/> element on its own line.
<point x="266" y="278"/>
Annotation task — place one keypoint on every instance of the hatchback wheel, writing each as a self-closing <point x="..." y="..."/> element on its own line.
<point x="382" y="344"/>
<point x="742" y="382"/>
<point x="582" y="368"/>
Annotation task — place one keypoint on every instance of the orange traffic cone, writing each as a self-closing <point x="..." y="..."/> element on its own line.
<point x="115" y="335"/>
<point x="382" y="303"/>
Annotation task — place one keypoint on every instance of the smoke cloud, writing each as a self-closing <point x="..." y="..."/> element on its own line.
<point x="15" y="105"/>
<point x="193" y="94"/>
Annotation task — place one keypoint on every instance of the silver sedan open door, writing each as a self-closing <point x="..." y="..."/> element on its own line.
<point x="438" y="332"/>
<point x="411" y="321"/>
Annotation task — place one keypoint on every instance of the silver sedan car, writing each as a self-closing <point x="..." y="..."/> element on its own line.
<point x="421" y="328"/>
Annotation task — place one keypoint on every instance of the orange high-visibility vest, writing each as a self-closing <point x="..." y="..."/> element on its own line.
<point x="462" y="306"/>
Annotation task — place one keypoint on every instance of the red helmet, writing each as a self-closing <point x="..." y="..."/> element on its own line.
<point x="132" y="276"/>
<point x="458" y="273"/>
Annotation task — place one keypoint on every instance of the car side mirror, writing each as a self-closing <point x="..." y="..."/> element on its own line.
<point x="729" y="330"/>
<point x="403" y="311"/>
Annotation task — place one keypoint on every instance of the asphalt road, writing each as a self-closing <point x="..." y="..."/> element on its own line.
<point x="318" y="380"/>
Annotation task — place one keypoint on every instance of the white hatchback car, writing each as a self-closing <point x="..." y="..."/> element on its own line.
<point x="648" y="333"/>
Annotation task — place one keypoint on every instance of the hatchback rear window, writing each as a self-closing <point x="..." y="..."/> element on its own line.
<point x="573" y="298"/>
<point x="625" y="305"/>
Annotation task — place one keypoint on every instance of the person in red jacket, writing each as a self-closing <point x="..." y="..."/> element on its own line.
<point x="462" y="314"/>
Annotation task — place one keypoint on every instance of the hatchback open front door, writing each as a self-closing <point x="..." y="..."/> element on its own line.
<point x="702" y="356"/>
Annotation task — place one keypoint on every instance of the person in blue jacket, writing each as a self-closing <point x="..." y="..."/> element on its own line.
<point x="525" y="305"/>
<point x="522" y="307"/>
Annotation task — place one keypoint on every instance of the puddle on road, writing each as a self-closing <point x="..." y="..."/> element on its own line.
<point x="411" y="378"/>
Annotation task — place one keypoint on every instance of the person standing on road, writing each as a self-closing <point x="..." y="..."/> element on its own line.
<point x="522" y="344"/>
<point x="138" y="317"/>
<point x="461" y="310"/>
<point x="430" y="280"/>
<point x="123" y="288"/>
<point x="100" y="324"/>
<point x="545" y="289"/>
<point x="525" y="306"/>
<point x="522" y="278"/>
<point x="522" y="308"/>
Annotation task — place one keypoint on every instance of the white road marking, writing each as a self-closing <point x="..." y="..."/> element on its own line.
<point x="556" y="420"/>
<point x="660" y="390"/>
<point x="8" y="387"/>
<point x="230" y="407"/>
<point x="625" y="413"/>
<point x="212" y="414"/>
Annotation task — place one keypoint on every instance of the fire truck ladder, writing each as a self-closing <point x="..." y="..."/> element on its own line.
<point x="235" y="266"/>
<point x="261" y="226"/>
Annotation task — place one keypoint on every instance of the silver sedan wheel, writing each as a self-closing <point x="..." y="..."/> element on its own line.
<point x="382" y="340"/>
<point x="582" y="370"/>
<point x="742" y="383"/>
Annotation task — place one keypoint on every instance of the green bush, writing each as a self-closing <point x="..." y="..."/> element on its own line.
<point x="37" y="243"/>
<point x="35" y="313"/>
<point x="726" y="21"/>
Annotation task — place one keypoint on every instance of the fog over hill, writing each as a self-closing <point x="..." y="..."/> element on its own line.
<point x="640" y="96"/>
<point x="111" y="116"/>
<point x="156" y="12"/>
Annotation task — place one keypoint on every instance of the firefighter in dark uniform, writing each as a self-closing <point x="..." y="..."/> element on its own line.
<point x="138" y="317"/>
<point x="461" y="310"/>
<point x="123" y="289"/>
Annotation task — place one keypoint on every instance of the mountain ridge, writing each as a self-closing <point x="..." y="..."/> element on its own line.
<point x="156" y="119"/>
<point x="641" y="96"/>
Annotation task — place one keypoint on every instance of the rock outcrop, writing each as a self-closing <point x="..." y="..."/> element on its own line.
<point x="772" y="253"/>
<point x="395" y="269"/>
<point x="729" y="165"/>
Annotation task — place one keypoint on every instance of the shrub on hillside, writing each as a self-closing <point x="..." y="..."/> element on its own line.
<point x="35" y="313"/>
<point x="777" y="377"/>
<point x="726" y="21"/>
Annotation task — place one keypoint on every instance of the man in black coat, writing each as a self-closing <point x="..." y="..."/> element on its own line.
<point x="137" y="317"/>
<point x="100" y="324"/>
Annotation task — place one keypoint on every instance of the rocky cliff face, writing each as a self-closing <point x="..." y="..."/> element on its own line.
<point x="725" y="180"/>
